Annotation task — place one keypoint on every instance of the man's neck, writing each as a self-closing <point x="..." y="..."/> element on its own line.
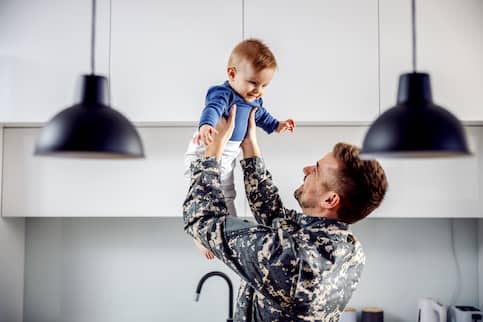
<point x="321" y="213"/>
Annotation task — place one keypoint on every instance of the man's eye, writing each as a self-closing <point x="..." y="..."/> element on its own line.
<point x="253" y="83"/>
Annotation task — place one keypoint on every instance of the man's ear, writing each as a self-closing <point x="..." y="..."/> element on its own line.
<point x="330" y="200"/>
<point x="231" y="72"/>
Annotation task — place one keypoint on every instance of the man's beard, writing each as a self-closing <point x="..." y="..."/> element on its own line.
<point x="298" y="196"/>
<point x="304" y="204"/>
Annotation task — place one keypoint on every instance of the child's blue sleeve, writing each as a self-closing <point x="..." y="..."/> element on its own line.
<point x="264" y="120"/>
<point x="216" y="104"/>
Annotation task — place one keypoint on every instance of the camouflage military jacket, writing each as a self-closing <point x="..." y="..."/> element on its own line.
<point x="293" y="267"/>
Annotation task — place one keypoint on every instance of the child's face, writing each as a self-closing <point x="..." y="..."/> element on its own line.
<point x="247" y="82"/>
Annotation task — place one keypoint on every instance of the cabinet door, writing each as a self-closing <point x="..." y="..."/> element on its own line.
<point x="327" y="55"/>
<point x="417" y="188"/>
<point x="449" y="48"/>
<point x="166" y="54"/>
<point x="44" y="48"/>
<point x="59" y="187"/>
<point x="155" y="186"/>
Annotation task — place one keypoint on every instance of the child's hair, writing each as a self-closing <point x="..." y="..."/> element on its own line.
<point x="255" y="52"/>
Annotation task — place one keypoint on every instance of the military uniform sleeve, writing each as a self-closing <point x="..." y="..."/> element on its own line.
<point x="264" y="257"/>
<point x="262" y="194"/>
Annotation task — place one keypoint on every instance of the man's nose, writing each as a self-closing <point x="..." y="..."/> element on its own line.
<point x="308" y="170"/>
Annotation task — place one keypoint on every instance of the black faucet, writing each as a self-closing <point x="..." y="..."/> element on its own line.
<point x="230" y="290"/>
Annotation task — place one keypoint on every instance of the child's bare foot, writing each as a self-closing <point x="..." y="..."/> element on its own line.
<point x="204" y="251"/>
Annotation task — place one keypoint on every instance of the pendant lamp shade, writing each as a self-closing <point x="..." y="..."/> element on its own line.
<point x="90" y="128"/>
<point x="415" y="127"/>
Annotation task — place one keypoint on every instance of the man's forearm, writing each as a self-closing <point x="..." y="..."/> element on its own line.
<point x="204" y="203"/>
<point x="214" y="149"/>
<point x="250" y="150"/>
<point x="262" y="194"/>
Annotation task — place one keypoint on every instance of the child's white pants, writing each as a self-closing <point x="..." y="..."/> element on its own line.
<point x="228" y="163"/>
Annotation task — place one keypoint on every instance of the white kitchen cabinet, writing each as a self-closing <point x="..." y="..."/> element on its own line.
<point x="44" y="48"/>
<point x="449" y="48"/>
<point x="417" y="188"/>
<point x="155" y="186"/>
<point x="327" y="53"/>
<point x="166" y="54"/>
<point x="58" y="187"/>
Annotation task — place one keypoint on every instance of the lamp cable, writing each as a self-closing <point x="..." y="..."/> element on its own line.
<point x="379" y="55"/>
<point x="243" y="19"/>
<point x="413" y="14"/>
<point x="109" y="55"/>
<point x="93" y="37"/>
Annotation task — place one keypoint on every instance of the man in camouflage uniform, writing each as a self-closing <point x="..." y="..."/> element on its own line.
<point x="293" y="266"/>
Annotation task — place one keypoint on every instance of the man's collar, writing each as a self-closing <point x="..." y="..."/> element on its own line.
<point x="305" y="220"/>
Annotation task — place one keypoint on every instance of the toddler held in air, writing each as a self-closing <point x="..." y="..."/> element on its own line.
<point x="250" y="69"/>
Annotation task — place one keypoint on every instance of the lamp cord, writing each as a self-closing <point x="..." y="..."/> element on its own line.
<point x="109" y="54"/>
<point x="93" y="37"/>
<point x="243" y="20"/>
<point x="413" y="13"/>
<point x="379" y="55"/>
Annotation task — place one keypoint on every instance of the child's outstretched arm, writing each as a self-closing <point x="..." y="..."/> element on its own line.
<point x="270" y="124"/>
<point x="216" y="104"/>
<point x="288" y="125"/>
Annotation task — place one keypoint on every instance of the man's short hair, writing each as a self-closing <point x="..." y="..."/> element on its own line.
<point x="361" y="184"/>
<point x="255" y="52"/>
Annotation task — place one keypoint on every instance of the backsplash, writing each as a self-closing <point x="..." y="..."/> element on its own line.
<point x="146" y="269"/>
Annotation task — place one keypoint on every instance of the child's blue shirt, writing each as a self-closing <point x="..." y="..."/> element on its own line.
<point x="219" y="101"/>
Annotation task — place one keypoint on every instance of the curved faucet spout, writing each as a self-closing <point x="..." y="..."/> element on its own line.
<point x="230" y="290"/>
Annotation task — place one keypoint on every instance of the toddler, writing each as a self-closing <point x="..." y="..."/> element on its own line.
<point x="250" y="69"/>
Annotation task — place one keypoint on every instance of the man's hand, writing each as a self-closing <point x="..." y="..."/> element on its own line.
<point x="224" y="130"/>
<point x="249" y="144"/>
<point x="205" y="135"/>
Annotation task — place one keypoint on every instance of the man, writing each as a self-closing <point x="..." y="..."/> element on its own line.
<point x="294" y="266"/>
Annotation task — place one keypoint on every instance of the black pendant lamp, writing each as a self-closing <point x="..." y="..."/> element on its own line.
<point x="415" y="127"/>
<point x="90" y="128"/>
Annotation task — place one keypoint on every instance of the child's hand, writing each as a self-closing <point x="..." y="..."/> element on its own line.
<point x="288" y="125"/>
<point x="205" y="135"/>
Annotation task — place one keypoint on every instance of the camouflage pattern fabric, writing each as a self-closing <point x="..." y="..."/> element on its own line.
<point x="293" y="267"/>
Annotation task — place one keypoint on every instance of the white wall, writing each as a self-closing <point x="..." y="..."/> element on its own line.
<point x="117" y="270"/>
<point x="12" y="237"/>
<point x="146" y="269"/>
<point x="12" y="233"/>
<point x="480" y="261"/>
